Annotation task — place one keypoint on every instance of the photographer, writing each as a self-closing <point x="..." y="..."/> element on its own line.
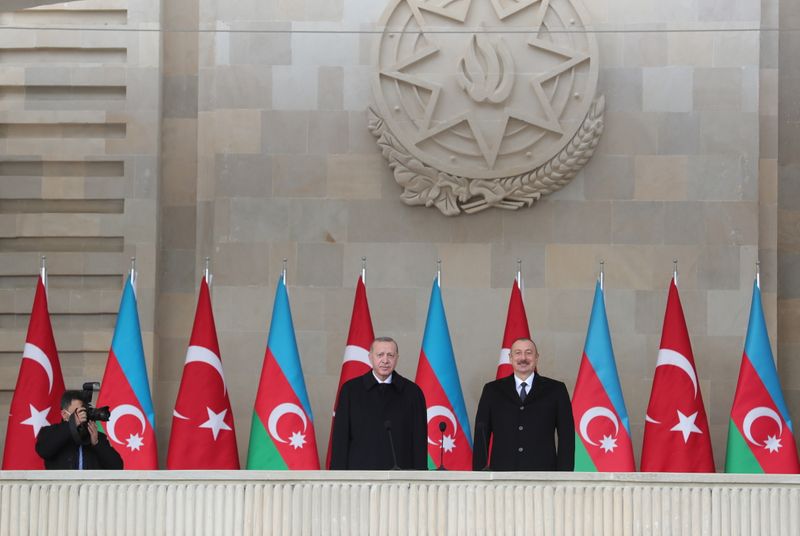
<point x="75" y="443"/>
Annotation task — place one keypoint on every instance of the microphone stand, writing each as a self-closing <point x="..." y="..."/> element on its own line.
<point x="442" y="428"/>
<point x="388" y="426"/>
<point x="482" y="426"/>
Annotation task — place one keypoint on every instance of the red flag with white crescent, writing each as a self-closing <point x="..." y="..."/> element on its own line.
<point x="203" y="435"/>
<point x="676" y="435"/>
<point x="37" y="396"/>
<point x="356" y="353"/>
<point x="516" y="328"/>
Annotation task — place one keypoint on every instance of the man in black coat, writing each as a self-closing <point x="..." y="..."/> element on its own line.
<point x="375" y="406"/>
<point x="59" y="447"/>
<point x="520" y="415"/>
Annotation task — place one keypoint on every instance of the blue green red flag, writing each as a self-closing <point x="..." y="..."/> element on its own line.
<point x="437" y="376"/>
<point x="282" y="431"/>
<point x="760" y="438"/>
<point x="126" y="390"/>
<point x="602" y="431"/>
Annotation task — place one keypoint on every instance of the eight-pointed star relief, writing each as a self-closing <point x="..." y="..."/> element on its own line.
<point x="484" y="90"/>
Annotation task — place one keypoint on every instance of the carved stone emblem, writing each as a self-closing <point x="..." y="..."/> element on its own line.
<point x="485" y="103"/>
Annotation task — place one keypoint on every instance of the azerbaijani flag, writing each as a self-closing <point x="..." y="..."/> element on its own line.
<point x="437" y="376"/>
<point x="602" y="430"/>
<point x="760" y="436"/>
<point x="125" y="389"/>
<point x="282" y="431"/>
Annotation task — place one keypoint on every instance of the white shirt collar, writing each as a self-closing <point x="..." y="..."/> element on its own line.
<point x="528" y="382"/>
<point x="387" y="380"/>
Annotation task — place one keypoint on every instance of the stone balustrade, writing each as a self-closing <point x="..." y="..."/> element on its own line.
<point x="436" y="503"/>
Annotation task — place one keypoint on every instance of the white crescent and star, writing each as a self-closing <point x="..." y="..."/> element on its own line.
<point x="357" y="354"/>
<point x="35" y="354"/>
<point x="281" y="410"/>
<point x="505" y="356"/>
<point x="756" y="413"/>
<point x="441" y="411"/>
<point x="591" y="414"/>
<point x="37" y="420"/>
<point x="120" y="411"/>
<point x="667" y="357"/>
<point x="673" y="358"/>
<point x="200" y="354"/>
<point x="686" y="425"/>
<point x="215" y="422"/>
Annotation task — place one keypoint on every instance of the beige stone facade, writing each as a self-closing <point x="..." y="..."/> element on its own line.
<point x="172" y="131"/>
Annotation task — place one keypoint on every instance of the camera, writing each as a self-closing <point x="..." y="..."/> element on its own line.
<point x="80" y="434"/>
<point x="102" y="413"/>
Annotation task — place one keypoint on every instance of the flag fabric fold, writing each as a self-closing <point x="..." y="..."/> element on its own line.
<point x="676" y="434"/>
<point x="356" y="352"/>
<point x="203" y="434"/>
<point x="36" y="402"/>
<point x="602" y="430"/>
<point x="437" y="376"/>
<point x="516" y="328"/>
<point x="760" y="432"/>
<point x="126" y="390"/>
<point x="282" y="431"/>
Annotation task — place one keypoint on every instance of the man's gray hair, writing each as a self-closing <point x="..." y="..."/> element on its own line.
<point x="385" y="339"/>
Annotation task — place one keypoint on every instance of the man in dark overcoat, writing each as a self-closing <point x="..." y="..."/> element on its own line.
<point x="60" y="448"/>
<point x="520" y="416"/>
<point x="378" y="412"/>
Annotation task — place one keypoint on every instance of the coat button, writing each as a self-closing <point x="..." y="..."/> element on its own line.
<point x="520" y="449"/>
<point x="520" y="427"/>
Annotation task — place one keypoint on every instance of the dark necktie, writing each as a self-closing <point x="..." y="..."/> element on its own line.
<point x="523" y="393"/>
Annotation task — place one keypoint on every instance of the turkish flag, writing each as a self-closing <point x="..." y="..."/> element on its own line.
<point x="37" y="396"/>
<point x="676" y="437"/>
<point x="356" y="353"/>
<point x="516" y="328"/>
<point x="203" y="435"/>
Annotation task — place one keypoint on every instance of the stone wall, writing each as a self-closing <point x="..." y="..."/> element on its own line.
<point x="265" y="155"/>
<point x="79" y="167"/>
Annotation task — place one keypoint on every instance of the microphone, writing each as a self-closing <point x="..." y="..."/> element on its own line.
<point x="388" y="426"/>
<point x="482" y="427"/>
<point x="442" y="428"/>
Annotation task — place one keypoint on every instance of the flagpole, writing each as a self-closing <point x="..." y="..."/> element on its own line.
<point x="519" y="275"/>
<point x="43" y="272"/>
<point x="207" y="273"/>
<point x="758" y="274"/>
<point x="602" y="275"/>
<point x="364" y="270"/>
<point x="133" y="274"/>
<point x="675" y="271"/>
<point x="439" y="272"/>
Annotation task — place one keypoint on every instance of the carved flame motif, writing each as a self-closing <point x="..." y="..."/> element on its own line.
<point x="486" y="71"/>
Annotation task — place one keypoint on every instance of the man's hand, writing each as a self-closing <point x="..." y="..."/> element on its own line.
<point x="80" y="416"/>
<point x="92" y="426"/>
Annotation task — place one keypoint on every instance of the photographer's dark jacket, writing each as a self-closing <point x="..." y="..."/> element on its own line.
<point x="59" y="451"/>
